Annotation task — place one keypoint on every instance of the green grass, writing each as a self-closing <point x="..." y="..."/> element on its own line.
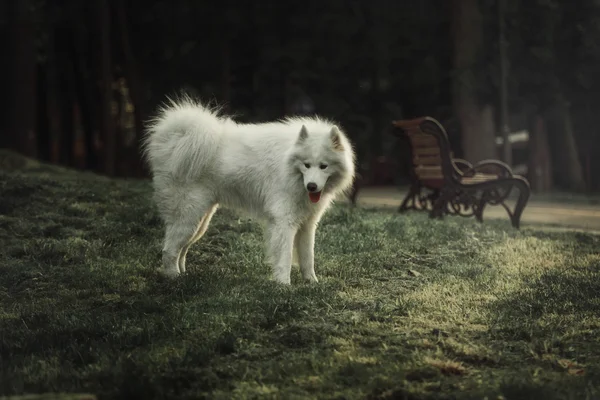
<point x="407" y="307"/>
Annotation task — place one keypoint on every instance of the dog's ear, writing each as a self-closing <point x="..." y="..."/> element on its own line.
<point x="303" y="134"/>
<point x="336" y="140"/>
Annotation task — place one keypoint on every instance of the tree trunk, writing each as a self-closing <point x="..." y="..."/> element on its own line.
<point x="123" y="167"/>
<point x="375" y="145"/>
<point x="53" y="112"/>
<point x="487" y="132"/>
<point x="134" y="82"/>
<point x="225" y="72"/>
<point x="67" y="134"/>
<point x="569" y="173"/>
<point x="478" y="140"/>
<point x="369" y="18"/>
<point x="84" y="88"/>
<point x="256" y="49"/>
<point x="42" y="121"/>
<point x="109" y="139"/>
<point x="284" y="61"/>
<point x="22" y="93"/>
<point x="504" y="128"/>
<point x="66" y="97"/>
<point x="540" y="163"/>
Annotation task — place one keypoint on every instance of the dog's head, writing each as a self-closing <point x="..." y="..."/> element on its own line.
<point x="325" y="160"/>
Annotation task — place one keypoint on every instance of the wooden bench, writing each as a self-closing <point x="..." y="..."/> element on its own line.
<point x="442" y="184"/>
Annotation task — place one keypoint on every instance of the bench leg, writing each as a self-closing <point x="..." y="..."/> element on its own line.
<point x="409" y="201"/>
<point x="432" y="198"/>
<point x="524" y="192"/>
<point x="439" y="207"/>
<point x="480" y="207"/>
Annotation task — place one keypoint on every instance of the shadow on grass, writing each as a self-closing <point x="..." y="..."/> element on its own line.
<point x="82" y="305"/>
<point x="83" y="308"/>
<point x="552" y="321"/>
<point x="162" y="339"/>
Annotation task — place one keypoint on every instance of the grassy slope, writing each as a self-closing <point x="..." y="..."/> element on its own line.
<point x="406" y="308"/>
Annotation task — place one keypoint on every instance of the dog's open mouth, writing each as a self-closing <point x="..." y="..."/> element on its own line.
<point x="314" y="196"/>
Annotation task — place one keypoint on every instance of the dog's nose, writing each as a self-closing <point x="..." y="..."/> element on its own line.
<point x="311" y="186"/>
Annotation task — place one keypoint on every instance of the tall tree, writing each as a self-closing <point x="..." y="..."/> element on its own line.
<point x="81" y="49"/>
<point x="66" y="96"/>
<point x="504" y="119"/>
<point x="476" y="120"/>
<point x="53" y="72"/>
<point x="371" y="18"/>
<point x="133" y="77"/>
<point x="109" y="138"/>
<point x="22" y="91"/>
<point x="566" y="153"/>
<point x="546" y="34"/>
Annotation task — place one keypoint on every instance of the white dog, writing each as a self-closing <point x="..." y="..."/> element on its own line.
<point x="285" y="173"/>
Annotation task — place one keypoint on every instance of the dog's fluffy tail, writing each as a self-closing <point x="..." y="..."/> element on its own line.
<point x="183" y="138"/>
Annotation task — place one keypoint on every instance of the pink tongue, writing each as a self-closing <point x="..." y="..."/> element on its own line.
<point x="315" y="197"/>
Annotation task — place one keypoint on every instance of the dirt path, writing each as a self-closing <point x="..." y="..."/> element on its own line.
<point x="561" y="214"/>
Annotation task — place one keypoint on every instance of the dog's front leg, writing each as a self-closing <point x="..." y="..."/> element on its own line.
<point x="305" y="245"/>
<point x="280" y="246"/>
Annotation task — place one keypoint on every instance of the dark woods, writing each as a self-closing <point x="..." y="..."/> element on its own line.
<point x="81" y="77"/>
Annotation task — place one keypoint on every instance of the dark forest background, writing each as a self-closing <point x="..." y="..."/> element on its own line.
<point x="79" y="78"/>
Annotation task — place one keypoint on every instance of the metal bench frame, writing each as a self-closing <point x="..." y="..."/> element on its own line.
<point x="442" y="184"/>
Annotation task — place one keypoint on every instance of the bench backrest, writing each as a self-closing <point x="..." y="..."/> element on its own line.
<point x="430" y="150"/>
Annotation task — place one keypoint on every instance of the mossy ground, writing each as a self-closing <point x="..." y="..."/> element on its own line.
<point x="407" y="307"/>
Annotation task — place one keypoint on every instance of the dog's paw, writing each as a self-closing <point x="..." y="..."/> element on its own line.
<point x="311" y="279"/>
<point x="170" y="273"/>
<point x="282" y="279"/>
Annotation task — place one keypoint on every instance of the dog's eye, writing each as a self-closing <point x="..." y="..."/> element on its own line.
<point x="307" y="165"/>
<point x="323" y="166"/>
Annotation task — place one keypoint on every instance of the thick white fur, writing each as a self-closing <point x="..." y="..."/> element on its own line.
<point x="200" y="160"/>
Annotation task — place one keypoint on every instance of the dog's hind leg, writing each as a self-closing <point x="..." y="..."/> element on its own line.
<point x="201" y="230"/>
<point x="182" y="226"/>
<point x="295" y="261"/>
<point x="280" y="242"/>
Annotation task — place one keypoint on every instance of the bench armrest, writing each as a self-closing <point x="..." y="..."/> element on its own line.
<point x="490" y="167"/>
<point x="463" y="166"/>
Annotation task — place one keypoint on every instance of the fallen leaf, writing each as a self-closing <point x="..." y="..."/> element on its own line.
<point x="571" y="366"/>
<point x="563" y="362"/>
<point x="576" y="371"/>
<point x="439" y="332"/>
<point x="447" y="367"/>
